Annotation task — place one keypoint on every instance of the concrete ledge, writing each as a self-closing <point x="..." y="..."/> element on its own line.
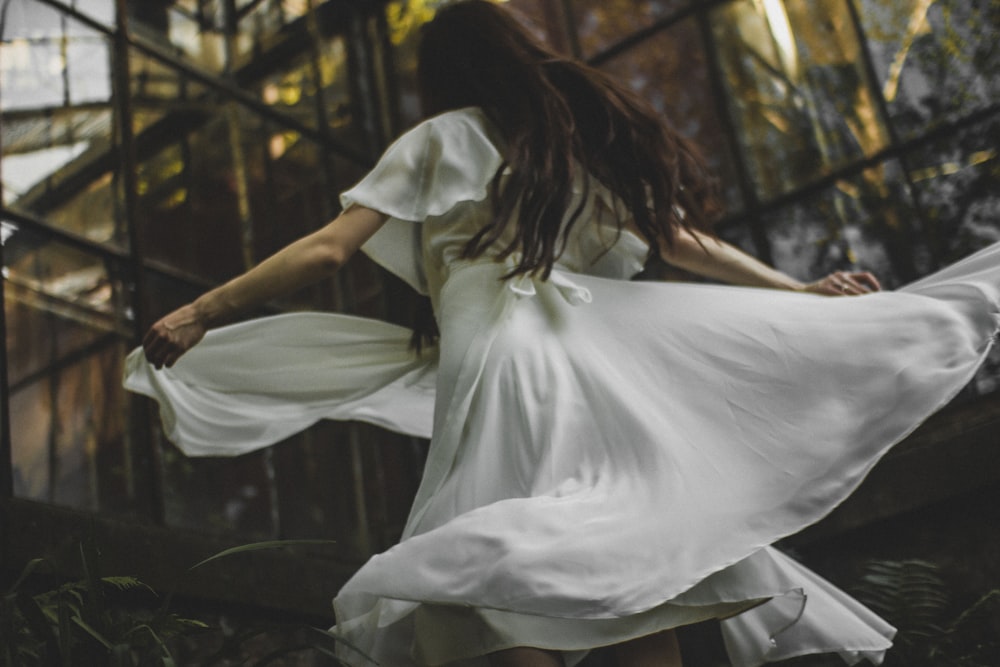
<point x="295" y="581"/>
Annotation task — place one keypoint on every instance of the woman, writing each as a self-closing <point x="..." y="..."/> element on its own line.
<point x="610" y="460"/>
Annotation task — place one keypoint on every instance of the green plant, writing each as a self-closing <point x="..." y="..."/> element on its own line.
<point x="118" y="621"/>
<point x="913" y="596"/>
<point x="93" y="621"/>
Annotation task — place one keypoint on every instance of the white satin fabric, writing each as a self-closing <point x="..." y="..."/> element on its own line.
<point x="609" y="458"/>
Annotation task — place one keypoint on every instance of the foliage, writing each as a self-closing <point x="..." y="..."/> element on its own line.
<point x="913" y="596"/>
<point x="118" y="621"/>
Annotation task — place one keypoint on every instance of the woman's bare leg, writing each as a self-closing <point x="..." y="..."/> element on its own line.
<point x="524" y="656"/>
<point x="659" y="650"/>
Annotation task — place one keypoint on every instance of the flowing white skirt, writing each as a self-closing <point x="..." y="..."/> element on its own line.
<point x="608" y="458"/>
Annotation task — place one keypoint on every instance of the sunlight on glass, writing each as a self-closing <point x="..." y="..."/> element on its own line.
<point x="934" y="60"/>
<point x="917" y="25"/>
<point x="406" y="16"/>
<point x="949" y="168"/>
<point x="781" y="34"/>
<point x="797" y="89"/>
<point x="22" y="172"/>
<point x="7" y="229"/>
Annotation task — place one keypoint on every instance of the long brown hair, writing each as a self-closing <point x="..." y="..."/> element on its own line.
<point x="554" y="114"/>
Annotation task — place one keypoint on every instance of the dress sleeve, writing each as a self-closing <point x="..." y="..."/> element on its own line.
<point x="444" y="161"/>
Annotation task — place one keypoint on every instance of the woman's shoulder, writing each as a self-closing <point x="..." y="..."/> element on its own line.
<point x="466" y="116"/>
<point x="465" y="125"/>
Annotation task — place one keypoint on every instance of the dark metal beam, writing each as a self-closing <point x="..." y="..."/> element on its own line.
<point x="6" y="451"/>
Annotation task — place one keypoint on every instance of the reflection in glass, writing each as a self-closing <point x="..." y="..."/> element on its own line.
<point x="264" y="25"/>
<point x="57" y="123"/>
<point x="219" y="495"/>
<point x="404" y="18"/>
<point x="191" y="215"/>
<point x="65" y="344"/>
<point x="669" y="71"/>
<point x="341" y="113"/>
<point x="958" y="184"/>
<point x="349" y="481"/>
<point x="935" y="60"/>
<point x="99" y="10"/>
<point x="306" y="80"/>
<point x="798" y="93"/>
<point x="191" y="174"/>
<point x="31" y="61"/>
<point x="293" y="90"/>
<point x="58" y="166"/>
<point x="859" y="223"/>
<point x="192" y="28"/>
<point x="601" y="23"/>
<point x="288" y="194"/>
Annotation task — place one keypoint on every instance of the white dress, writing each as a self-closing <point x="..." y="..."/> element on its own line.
<point x="608" y="458"/>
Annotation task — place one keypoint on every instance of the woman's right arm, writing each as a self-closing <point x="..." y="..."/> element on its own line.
<point x="302" y="263"/>
<point x="714" y="258"/>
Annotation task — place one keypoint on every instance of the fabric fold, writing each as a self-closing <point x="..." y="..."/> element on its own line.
<point x="250" y="385"/>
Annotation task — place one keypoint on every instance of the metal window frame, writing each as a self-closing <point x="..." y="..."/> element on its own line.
<point x="134" y="261"/>
<point x="754" y="207"/>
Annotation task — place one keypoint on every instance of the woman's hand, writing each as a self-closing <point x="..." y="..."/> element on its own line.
<point x="844" y="283"/>
<point x="173" y="335"/>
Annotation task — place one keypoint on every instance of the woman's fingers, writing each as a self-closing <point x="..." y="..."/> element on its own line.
<point x="171" y="337"/>
<point x="846" y="283"/>
<point x="857" y="282"/>
<point x="868" y="279"/>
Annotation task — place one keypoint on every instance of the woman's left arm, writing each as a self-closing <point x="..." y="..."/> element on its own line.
<point x="714" y="258"/>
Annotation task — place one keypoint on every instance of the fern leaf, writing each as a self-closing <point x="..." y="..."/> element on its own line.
<point x="126" y="583"/>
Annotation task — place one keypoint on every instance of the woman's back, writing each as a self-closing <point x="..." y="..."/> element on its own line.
<point x="449" y="163"/>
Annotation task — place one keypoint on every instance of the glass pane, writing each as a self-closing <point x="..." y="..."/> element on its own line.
<point x="192" y="174"/>
<point x="99" y="10"/>
<point x="289" y="197"/>
<point x="50" y="59"/>
<point x="262" y="26"/>
<point x="66" y="327"/>
<point x="61" y="167"/>
<point x="860" y="223"/>
<point x="288" y="194"/>
<point x="166" y="293"/>
<point x="57" y="130"/>
<point x="404" y="19"/>
<point x="292" y="89"/>
<point x="342" y="113"/>
<point x="219" y="495"/>
<point x="797" y="91"/>
<point x="351" y="482"/>
<point x="958" y="184"/>
<point x="935" y="59"/>
<point x="670" y="71"/>
<point x="601" y="23"/>
<point x="191" y="28"/>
